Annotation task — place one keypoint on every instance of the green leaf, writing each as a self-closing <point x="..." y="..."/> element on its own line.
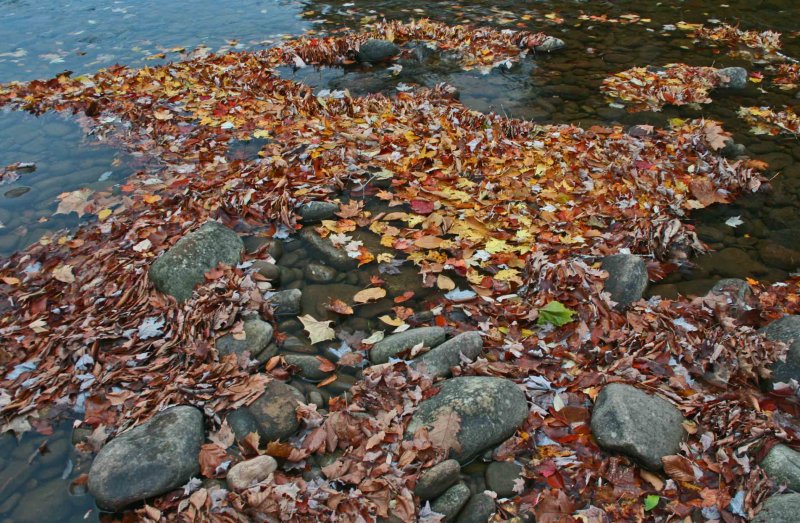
<point x="555" y="313"/>
<point x="650" y="502"/>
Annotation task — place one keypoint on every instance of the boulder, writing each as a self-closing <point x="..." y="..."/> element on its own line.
<point x="627" y="278"/>
<point x="489" y="410"/>
<point x="733" y="77"/>
<point x="272" y="415"/>
<point x="787" y="330"/>
<point x="437" y="479"/>
<point x="500" y="477"/>
<point x="550" y="44"/>
<point x="375" y="51"/>
<point x="643" y="427"/>
<point x="438" y="361"/>
<point x="781" y="508"/>
<point x="322" y="248"/>
<point x="258" y="335"/>
<point x="782" y="465"/>
<point x="451" y="502"/>
<point x="157" y="456"/>
<point x="246" y="473"/>
<point x="178" y="270"/>
<point x="313" y="212"/>
<point x="478" y="509"/>
<point x="396" y="343"/>
<point x="286" y="303"/>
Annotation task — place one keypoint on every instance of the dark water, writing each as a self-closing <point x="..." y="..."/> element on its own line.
<point x="41" y="39"/>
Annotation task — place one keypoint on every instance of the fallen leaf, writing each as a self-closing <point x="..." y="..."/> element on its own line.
<point x="317" y="330"/>
<point x="75" y="201"/>
<point x="63" y="273"/>
<point x="373" y="293"/>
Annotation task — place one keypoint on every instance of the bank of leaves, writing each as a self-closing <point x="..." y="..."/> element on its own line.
<point x="519" y="214"/>
<point x="750" y="45"/>
<point x="766" y="120"/>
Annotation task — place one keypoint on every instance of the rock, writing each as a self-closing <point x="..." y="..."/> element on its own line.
<point x="286" y="303"/>
<point x="178" y="270"/>
<point x="316" y="298"/>
<point x="309" y="366"/>
<point x="627" y="278"/>
<point x="782" y="508"/>
<point x="268" y="270"/>
<point x="392" y="345"/>
<point x="451" y="502"/>
<point x="490" y="411"/>
<point x="324" y="250"/>
<point x="242" y="422"/>
<point x="733" y="150"/>
<point x="318" y="273"/>
<point x="313" y="212"/>
<point x="731" y="263"/>
<point x="254" y="243"/>
<point x="258" y="335"/>
<point x="274" y="411"/>
<point x="733" y="77"/>
<point x="782" y="465"/>
<point x="737" y="295"/>
<point x="641" y="426"/>
<point x="151" y="459"/>
<point x="438" y="361"/>
<point x="246" y="473"/>
<point x="787" y="330"/>
<point x="776" y="255"/>
<point x="375" y="51"/>
<point x="550" y="44"/>
<point x="478" y="509"/>
<point x="437" y="479"/>
<point x="500" y="477"/>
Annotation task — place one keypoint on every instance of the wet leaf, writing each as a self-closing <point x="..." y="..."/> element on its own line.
<point x="317" y="330"/>
<point x="371" y="294"/>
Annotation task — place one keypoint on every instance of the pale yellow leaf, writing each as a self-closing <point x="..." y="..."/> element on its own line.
<point x="373" y="293"/>
<point x="317" y="330"/>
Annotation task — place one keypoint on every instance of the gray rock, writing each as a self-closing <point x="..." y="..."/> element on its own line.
<point x="437" y="479"/>
<point x="242" y="422"/>
<point x="268" y="270"/>
<point x="375" y="51"/>
<point x="246" y="473"/>
<point x="324" y="250"/>
<point x="737" y="294"/>
<point x="490" y="411"/>
<point x="500" y="477"/>
<point x="782" y="465"/>
<point x="733" y="77"/>
<point x="286" y="303"/>
<point x="151" y="459"/>
<point x="550" y="43"/>
<point x="258" y="335"/>
<point x="478" y="509"/>
<point x="627" y="278"/>
<point x="438" y="361"/>
<point x="451" y="502"/>
<point x="318" y="273"/>
<point x="392" y="345"/>
<point x="787" y="330"/>
<point x="312" y="212"/>
<point x="275" y="411"/>
<point x="177" y="271"/>
<point x="309" y="366"/>
<point x="781" y="508"/>
<point x="636" y="424"/>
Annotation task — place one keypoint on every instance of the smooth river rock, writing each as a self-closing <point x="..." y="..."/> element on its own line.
<point x="490" y="411"/>
<point x="478" y="509"/>
<point x="151" y="459"/>
<point x="272" y="415"/>
<point x="180" y="269"/>
<point x="780" y="508"/>
<point x="733" y="77"/>
<point x="438" y="361"/>
<point x="390" y="346"/>
<point x="375" y="51"/>
<point x="323" y="248"/>
<point x="627" y="278"/>
<point x="782" y="465"/>
<point x="437" y="479"/>
<point x="787" y="330"/>
<point x="500" y="477"/>
<point x="643" y="427"/>
<point x="258" y="335"/>
<point x="451" y="502"/>
<point x="246" y="473"/>
<point x="312" y="212"/>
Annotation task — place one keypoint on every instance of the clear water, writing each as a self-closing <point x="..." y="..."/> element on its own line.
<point x="43" y="38"/>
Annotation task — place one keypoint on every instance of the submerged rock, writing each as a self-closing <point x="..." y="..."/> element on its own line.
<point x="437" y="479"/>
<point x="478" y="509"/>
<point x="151" y="459"/>
<point x="782" y="508"/>
<point x="489" y="410"/>
<point x="318" y="273"/>
<point x="643" y="427"/>
<point x="258" y="335"/>
<point x="246" y="473"/>
<point x="787" y="330"/>
<point x="451" y="502"/>
<point x="733" y="77"/>
<point x="550" y="43"/>
<point x="312" y="212"/>
<point x="782" y="465"/>
<point x="627" y="278"/>
<point x="390" y="346"/>
<point x="737" y="295"/>
<point x="286" y="303"/>
<point x="323" y="248"/>
<point x="375" y="51"/>
<point x="178" y="270"/>
<point x="438" y="361"/>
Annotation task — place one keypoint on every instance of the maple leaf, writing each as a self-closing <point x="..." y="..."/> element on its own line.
<point x="715" y="135"/>
<point x="317" y="330"/>
<point x="211" y="458"/>
<point x="373" y="293"/>
<point x="75" y="201"/>
<point x="444" y="430"/>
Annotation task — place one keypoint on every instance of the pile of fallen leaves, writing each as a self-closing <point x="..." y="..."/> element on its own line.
<point x="510" y="217"/>
<point x="651" y="88"/>
<point x="765" y="120"/>
<point x="787" y="76"/>
<point x="752" y="45"/>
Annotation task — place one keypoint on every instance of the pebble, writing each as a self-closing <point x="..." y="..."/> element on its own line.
<point x="245" y="473"/>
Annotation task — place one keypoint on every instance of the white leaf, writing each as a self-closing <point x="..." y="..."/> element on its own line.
<point x="734" y="221"/>
<point x="317" y="330"/>
<point x="151" y="328"/>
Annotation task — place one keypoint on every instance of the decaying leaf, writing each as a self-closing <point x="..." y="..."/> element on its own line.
<point x="317" y="330"/>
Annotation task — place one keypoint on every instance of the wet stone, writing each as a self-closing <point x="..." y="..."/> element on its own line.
<point x="272" y="415"/>
<point x="148" y="460"/>
<point x="178" y="270"/>
<point x="451" y="502"/>
<point x="309" y="366"/>
<point x="500" y="477"/>
<point x="268" y="270"/>
<point x="550" y="44"/>
<point x="258" y="335"/>
<point x="313" y="212"/>
<point x="316" y="298"/>
<point x="323" y="248"/>
<point x="438" y="361"/>
<point x="437" y="479"/>
<point x="731" y="263"/>
<point x="627" y="278"/>
<point x="376" y="51"/>
<point x="318" y="273"/>
<point x="286" y="303"/>
<point x="787" y="330"/>
<point x="780" y="508"/>
<point x="396" y="343"/>
<point x="246" y="473"/>
<point x="733" y="77"/>
<point x="491" y="409"/>
<point x="736" y="293"/>
<point x="16" y="192"/>
<point x="643" y="427"/>
<point x="478" y="509"/>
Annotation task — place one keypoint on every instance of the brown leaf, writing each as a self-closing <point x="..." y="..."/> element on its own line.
<point x="444" y="430"/>
<point x="678" y="468"/>
<point x="373" y="293"/>
<point x="339" y="307"/>
<point x="210" y="458"/>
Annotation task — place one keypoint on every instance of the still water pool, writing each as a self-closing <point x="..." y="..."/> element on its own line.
<point x="40" y="39"/>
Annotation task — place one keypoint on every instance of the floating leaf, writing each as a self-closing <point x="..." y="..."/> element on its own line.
<point x="373" y="293"/>
<point x="317" y="330"/>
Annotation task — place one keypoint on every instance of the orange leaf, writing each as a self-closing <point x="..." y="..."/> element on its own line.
<point x="372" y="293"/>
<point x="339" y="307"/>
<point x="326" y="365"/>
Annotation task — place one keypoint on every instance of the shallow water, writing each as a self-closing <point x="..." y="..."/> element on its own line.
<point x="41" y="39"/>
